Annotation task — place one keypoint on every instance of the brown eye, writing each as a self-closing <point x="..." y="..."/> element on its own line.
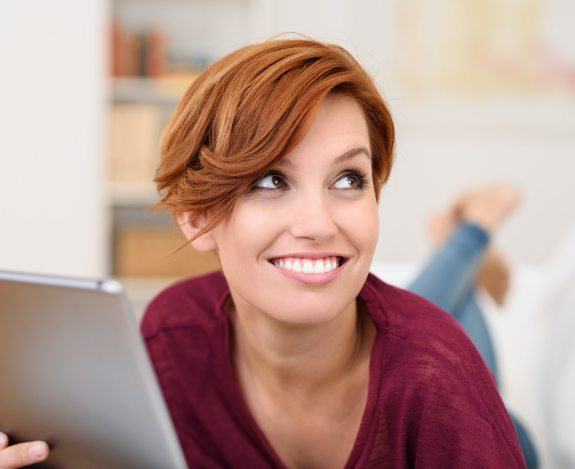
<point x="276" y="181"/>
<point x="356" y="180"/>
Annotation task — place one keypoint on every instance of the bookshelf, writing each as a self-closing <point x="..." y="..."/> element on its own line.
<point x="157" y="50"/>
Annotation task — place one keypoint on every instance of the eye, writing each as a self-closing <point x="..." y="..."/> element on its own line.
<point x="274" y="179"/>
<point x="356" y="178"/>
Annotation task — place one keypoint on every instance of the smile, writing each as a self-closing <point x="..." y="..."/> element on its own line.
<point x="310" y="271"/>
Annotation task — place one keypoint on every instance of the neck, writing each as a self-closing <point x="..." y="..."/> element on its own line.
<point x="300" y="360"/>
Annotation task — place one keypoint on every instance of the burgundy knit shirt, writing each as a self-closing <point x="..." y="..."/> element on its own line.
<point x="432" y="403"/>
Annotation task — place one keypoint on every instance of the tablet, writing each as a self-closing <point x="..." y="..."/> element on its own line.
<point x="74" y="371"/>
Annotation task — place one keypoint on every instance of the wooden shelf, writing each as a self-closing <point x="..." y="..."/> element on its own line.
<point x="132" y="194"/>
<point x="162" y="91"/>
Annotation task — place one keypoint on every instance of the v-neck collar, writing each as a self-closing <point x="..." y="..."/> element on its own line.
<point x="240" y="405"/>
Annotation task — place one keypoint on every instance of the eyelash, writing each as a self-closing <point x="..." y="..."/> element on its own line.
<point x="359" y="174"/>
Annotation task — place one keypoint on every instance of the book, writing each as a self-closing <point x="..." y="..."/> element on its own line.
<point x="140" y="53"/>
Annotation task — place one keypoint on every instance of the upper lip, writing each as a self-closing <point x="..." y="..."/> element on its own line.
<point x="310" y="255"/>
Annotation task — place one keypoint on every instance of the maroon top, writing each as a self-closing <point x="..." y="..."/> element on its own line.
<point x="432" y="401"/>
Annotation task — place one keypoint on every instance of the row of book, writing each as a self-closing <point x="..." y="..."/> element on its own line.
<point x="146" y="53"/>
<point x="137" y="53"/>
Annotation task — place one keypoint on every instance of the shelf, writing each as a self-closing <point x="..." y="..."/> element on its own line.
<point x="132" y="194"/>
<point x="164" y="90"/>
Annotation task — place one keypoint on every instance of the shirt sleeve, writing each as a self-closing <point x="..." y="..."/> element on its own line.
<point x="199" y="450"/>
<point x="460" y="421"/>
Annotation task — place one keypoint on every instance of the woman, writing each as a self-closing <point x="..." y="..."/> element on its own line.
<point x="295" y="355"/>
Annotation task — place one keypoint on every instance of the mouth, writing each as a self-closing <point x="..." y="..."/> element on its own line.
<point x="340" y="259"/>
<point x="308" y="273"/>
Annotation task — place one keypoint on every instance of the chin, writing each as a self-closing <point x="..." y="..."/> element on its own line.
<point x="305" y="316"/>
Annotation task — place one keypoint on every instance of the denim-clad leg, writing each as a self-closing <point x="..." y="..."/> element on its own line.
<point x="447" y="280"/>
<point x="529" y="451"/>
<point x="471" y="318"/>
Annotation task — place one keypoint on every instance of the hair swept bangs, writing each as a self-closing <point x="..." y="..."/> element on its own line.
<point x="247" y="110"/>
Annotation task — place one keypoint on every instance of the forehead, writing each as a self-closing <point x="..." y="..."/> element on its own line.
<point x="352" y="153"/>
<point x="338" y="110"/>
<point x="338" y="132"/>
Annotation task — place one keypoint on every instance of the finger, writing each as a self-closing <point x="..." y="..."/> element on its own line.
<point x="23" y="454"/>
<point x="3" y="440"/>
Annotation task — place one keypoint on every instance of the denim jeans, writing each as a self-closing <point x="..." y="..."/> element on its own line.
<point x="448" y="281"/>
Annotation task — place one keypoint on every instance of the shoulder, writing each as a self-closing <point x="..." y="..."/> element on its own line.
<point x="436" y="383"/>
<point x="191" y="302"/>
<point x="420" y="328"/>
<point x="428" y="341"/>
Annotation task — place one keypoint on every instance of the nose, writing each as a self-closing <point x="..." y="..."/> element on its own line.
<point x="312" y="218"/>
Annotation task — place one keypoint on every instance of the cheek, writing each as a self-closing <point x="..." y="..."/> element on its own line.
<point x="362" y="225"/>
<point x="249" y="231"/>
<point x="372" y="227"/>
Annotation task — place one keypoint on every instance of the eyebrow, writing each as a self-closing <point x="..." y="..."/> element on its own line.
<point x="348" y="155"/>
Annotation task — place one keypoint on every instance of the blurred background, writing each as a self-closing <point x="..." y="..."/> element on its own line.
<point x="482" y="91"/>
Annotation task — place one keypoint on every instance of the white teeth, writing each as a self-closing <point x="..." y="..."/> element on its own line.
<point x="297" y="265"/>
<point x="319" y="267"/>
<point x="308" y="266"/>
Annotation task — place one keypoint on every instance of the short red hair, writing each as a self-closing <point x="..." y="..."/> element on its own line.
<point x="247" y="110"/>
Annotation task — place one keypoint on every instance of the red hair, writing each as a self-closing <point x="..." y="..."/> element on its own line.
<point x="247" y="110"/>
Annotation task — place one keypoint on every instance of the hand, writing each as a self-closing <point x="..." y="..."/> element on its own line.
<point x="21" y="454"/>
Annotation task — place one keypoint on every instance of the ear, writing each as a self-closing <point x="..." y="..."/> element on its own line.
<point x="190" y="227"/>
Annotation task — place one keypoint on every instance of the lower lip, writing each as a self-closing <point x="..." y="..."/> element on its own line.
<point x="311" y="279"/>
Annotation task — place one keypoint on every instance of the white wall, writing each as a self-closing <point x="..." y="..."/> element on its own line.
<point x="533" y="147"/>
<point x="51" y="136"/>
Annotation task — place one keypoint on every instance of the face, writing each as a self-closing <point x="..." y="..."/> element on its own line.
<point x="308" y="203"/>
